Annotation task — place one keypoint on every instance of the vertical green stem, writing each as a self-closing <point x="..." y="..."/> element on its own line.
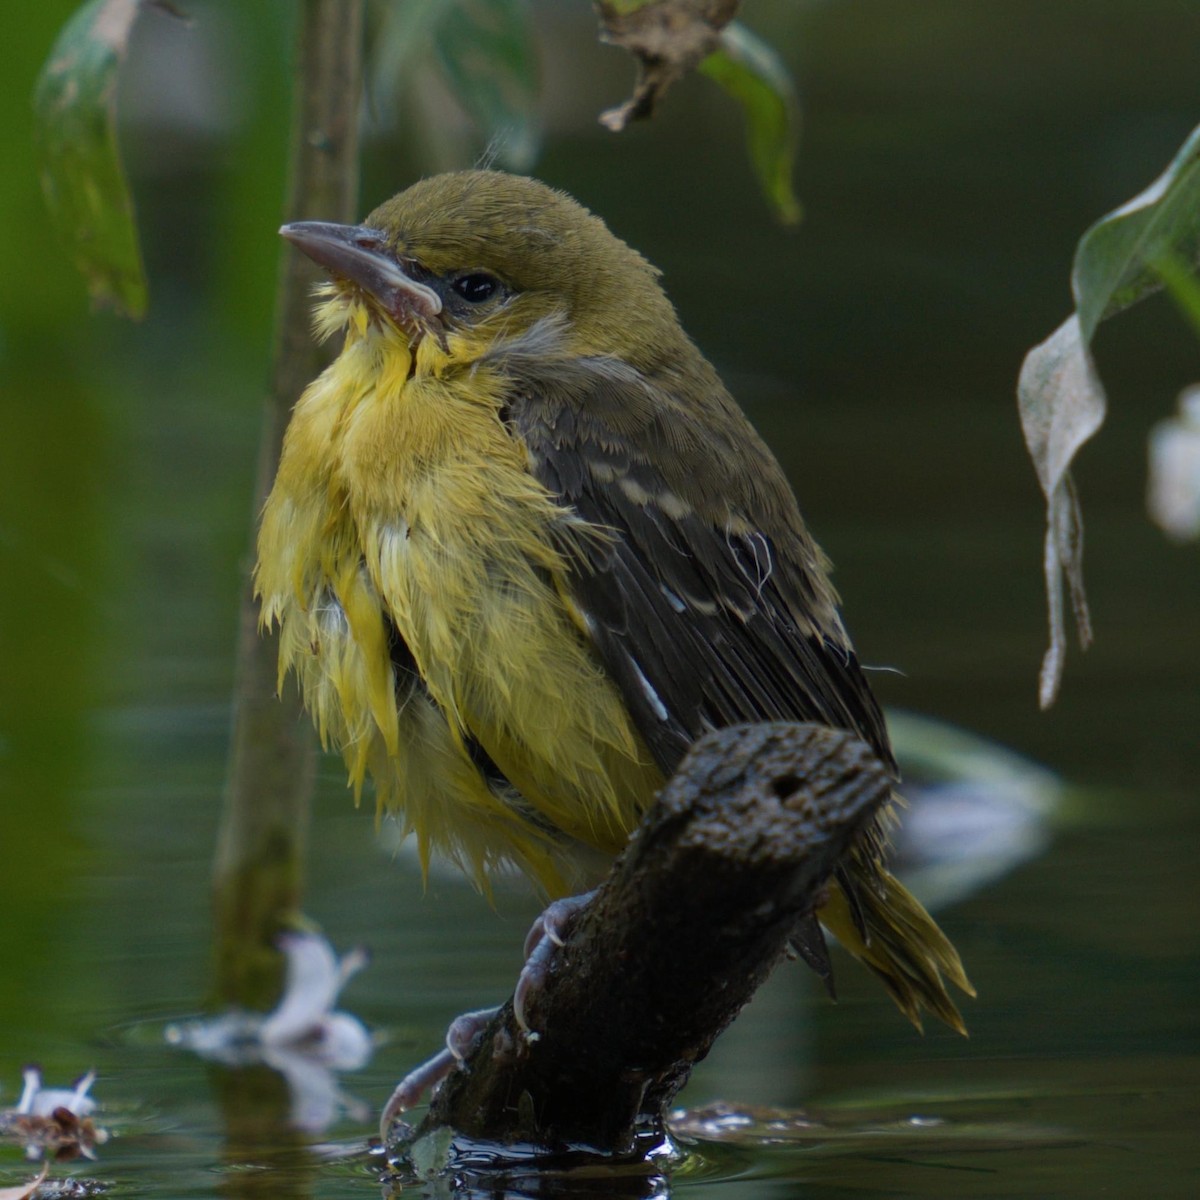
<point x="258" y="871"/>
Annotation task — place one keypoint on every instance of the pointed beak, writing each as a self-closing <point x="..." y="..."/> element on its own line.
<point x="359" y="255"/>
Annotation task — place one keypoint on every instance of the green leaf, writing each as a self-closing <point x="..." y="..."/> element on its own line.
<point x="624" y="7"/>
<point x="1115" y="261"/>
<point x="404" y="40"/>
<point x="487" y="52"/>
<point x="1183" y="287"/>
<point x="755" y="76"/>
<point x="1126" y="256"/>
<point x="75" y="131"/>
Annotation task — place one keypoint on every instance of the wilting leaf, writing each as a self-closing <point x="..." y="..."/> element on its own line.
<point x="1062" y="404"/>
<point x="667" y="37"/>
<point x="754" y="75"/>
<point x="1118" y="262"/>
<point x="486" y="50"/>
<point x="75" y="127"/>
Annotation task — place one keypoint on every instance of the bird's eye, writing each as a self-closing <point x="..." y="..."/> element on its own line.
<point x="476" y="287"/>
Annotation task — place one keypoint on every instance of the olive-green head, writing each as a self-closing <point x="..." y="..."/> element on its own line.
<point x="492" y="254"/>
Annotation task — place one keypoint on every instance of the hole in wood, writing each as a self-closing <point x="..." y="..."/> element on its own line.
<point x="785" y="786"/>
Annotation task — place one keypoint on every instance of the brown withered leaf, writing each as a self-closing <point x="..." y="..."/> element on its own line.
<point x="667" y="37"/>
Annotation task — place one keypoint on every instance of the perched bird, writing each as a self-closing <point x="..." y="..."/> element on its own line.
<point x="523" y="548"/>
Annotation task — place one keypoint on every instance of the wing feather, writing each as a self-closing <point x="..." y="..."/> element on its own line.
<point x="724" y="611"/>
<point x="709" y="604"/>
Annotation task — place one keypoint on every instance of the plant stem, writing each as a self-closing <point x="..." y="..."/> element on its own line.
<point x="259" y="865"/>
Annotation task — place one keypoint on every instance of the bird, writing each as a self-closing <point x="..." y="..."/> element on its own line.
<point x="523" y="548"/>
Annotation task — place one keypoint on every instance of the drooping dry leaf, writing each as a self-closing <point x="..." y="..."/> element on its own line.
<point x="1061" y="400"/>
<point x="667" y="37"/>
<point x="1062" y="404"/>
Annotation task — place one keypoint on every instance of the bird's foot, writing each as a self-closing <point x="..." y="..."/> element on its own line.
<point x="460" y="1036"/>
<point x="807" y="941"/>
<point x="544" y="937"/>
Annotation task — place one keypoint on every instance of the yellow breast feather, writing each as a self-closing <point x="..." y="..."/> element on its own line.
<point x="403" y="508"/>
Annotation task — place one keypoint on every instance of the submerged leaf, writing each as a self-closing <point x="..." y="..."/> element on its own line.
<point x="75" y="127"/>
<point x="1118" y="262"/>
<point x="754" y="75"/>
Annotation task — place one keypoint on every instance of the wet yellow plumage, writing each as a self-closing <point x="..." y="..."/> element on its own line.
<point x="522" y="548"/>
<point x="400" y="493"/>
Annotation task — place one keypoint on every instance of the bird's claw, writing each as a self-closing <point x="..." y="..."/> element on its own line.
<point x="460" y="1035"/>
<point x="465" y="1028"/>
<point x="545" y="935"/>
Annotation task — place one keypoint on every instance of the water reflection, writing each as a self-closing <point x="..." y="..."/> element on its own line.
<point x="303" y="1038"/>
<point x="263" y="1154"/>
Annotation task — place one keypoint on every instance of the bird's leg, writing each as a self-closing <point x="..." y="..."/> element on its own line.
<point x="544" y="937"/>
<point x="460" y="1035"/>
<point x="807" y="941"/>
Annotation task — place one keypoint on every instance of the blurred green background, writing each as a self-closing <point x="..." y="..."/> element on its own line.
<point x="953" y="152"/>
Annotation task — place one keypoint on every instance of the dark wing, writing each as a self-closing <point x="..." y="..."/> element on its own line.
<point x="708" y="602"/>
<point x="709" y="605"/>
